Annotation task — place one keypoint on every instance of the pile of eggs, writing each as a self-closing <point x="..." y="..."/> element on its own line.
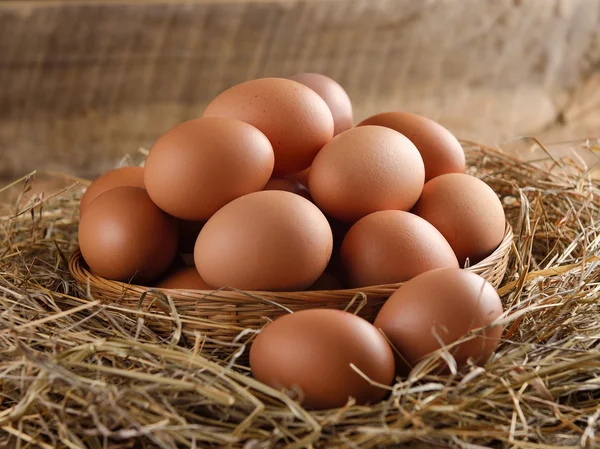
<point x="275" y="189"/>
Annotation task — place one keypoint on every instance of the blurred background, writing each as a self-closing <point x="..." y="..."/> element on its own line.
<point x="83" y="83"/>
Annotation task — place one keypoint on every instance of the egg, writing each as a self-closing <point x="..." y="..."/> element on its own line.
<point x="334" y="95"/>
<point x="124" y="236"/>
<point x="268" y="240"/>
<point x="296" y="120"/>
<point x="393" y="246"/>
<point x="442" y="305"/>
<point x="124" y="176"/>
<point x="441" y="151"/>
<point x="197" y="167"/>
<point x="467" y="212"/>
<point x="365" y="170"/>
<point x="312" y="350"/>
<point x="327" y="281"/>
<point x="188" y="234"/>
<point x="287" y="185"/>
<point x="183" y="278"/>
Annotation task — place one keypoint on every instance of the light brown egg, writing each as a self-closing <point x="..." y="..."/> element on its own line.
<point x="392" y="246"/>
<point x="441" y="305"/>
<point x="467" y="212"/>
<point x="364" y="170"/>
<point x="269" y="240"/>
<point x="124" y="236"/>
<point x="124" y="176"/>
<point x="441" y="151"/>
<point x="334" y="95"/>
<point x="296" y="120"/>
<point x="288" y="185"/>
<point x="200" y="165"/>
<point x="183" y="278"/>
<point x="312" y="350"/>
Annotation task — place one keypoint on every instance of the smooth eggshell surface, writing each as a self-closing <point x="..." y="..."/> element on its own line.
<point x="197" y="167"/>
<point x="441" y="305"/>
<point x="467" y="212"/>
<point x="392" y="246"/>
<point x="312" y="350"/>
<point x="296" y="120"/>
<point x="334" y="95"/>
<point x="119" y="177"/>
<point x="269" y="240"/>
<point x="124" y="236"/>
<point x="441" y="151"/>
<point x="365" y="170"/>
<point x="184" y="278"/>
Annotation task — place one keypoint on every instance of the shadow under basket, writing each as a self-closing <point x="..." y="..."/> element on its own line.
<point x="217" y="319"/>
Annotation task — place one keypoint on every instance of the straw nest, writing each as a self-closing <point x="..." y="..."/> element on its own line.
<point x="78" y="373"/>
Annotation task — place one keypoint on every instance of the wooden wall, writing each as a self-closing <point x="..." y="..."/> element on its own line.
<point x="84" y="82"/>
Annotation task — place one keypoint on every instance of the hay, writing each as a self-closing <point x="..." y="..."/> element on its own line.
<point x="77" y="374"/>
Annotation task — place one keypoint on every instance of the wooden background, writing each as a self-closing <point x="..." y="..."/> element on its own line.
<point x="84" y="82"/>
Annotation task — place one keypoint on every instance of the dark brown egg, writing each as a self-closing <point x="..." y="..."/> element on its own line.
<point x="296" y="120"/>
<point x="364" y="170"/>
<point x="334" y="95"/>
<point x="287" y="185"/>
<point x="312" y="351"/>
<point x="183" y="278"/>
<point x="124" y="236"/>
<point x="442" y="306"/>
<point x="467" y="212"/>
<point x="125" y="176"/>
<point x="392" y="246"/>
<point x="200" y="165"/>
<point x="441" y="151"/>
<point x="269" y="240"/>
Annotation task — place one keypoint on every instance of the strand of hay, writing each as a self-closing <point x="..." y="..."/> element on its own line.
<point x="75" y="373"/>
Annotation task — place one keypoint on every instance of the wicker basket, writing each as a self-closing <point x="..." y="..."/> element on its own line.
<point x="220" y="316"/>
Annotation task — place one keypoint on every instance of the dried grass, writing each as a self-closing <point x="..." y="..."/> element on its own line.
<point x="75" y="373"/>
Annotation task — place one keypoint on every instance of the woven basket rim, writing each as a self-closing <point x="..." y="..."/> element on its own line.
<point x="83" y="275"/>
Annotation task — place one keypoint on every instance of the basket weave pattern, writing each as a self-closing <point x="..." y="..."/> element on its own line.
<point x="221" y="315"/>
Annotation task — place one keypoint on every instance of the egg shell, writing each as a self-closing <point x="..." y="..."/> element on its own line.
<point x="119" y="177"/>
<point x="335" y="96"/>
<point x="197" y="167"/>
<point x="269" y="240"/>
<point x="183" y="278"/>
<point x="124" y="236"/>
<point x="296" y="120"/>
<point x="365" y="170"/>
<point x="467" y="212"/>
<point x="441" y="151"/>
<point x="288" y="185"/>
<point x="312" y="350"/>
<point x="444" y="305"/>
<point x="392" y="246"/>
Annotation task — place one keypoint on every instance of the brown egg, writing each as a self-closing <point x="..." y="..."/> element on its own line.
<point x="124" y="236"/>
<point x="312" y="351"/>
<point x="441" y="151"/>
<point x="269" y="240"/>
<point x="295" y="119"/>
<point x="124" y="176"/>
<point x="393" y="246"/>
<point x="334" y="95"/>
<point x="364" y="170"/>
<point x="467" y="212"/>
<point x="188" y="233"/>
<point x="441" y="305"/>
<point x="287" y="185"/>
<point x="200" y="165"/>
<point x="327" y="281"/>
<point x="301" y="177"/>
<point x="183" y="278"/>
